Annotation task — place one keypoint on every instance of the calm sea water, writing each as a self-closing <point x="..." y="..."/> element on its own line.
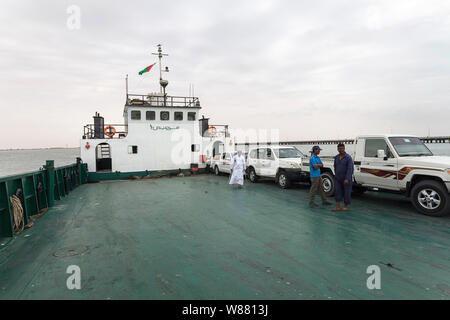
<point x="21" y="161"/>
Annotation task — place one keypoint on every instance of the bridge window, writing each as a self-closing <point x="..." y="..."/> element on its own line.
<point x="164" y="115"/>
<point x="195" y="148"/>
<point x="191" y="116"/>
<point x="150" y="115"/>
<point x="178" y="115"/>
<point x="132" y="149"/>
<point x="135" y="115"/>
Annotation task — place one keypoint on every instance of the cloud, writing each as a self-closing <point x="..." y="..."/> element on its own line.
<point x="311" y="69"/>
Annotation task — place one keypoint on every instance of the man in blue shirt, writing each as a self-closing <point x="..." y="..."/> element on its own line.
<point x="314" y="174"/>
<point x="343" y="177"/>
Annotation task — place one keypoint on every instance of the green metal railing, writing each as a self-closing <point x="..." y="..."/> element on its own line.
<point x="37" y="190"/>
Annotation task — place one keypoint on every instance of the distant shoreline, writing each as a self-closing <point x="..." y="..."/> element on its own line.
<point x="51" y="148"/>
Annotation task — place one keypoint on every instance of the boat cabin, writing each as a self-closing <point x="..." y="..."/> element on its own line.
<point x="159" y="133"/>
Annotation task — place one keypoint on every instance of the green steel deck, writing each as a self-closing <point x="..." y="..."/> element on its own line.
<point x="197" y="238"/>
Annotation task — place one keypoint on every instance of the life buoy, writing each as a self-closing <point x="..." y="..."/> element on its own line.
<point x="212" y="131"/>
<point x="110" y="133"/>
<point x="87" y="146"/>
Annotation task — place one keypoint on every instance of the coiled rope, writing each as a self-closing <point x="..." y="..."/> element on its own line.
<point x="17" y="210"/>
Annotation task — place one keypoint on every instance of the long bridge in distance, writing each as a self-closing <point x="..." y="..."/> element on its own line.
<point x="435" y="139"/>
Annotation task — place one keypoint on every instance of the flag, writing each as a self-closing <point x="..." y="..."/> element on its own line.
<point x="146" y="69"/>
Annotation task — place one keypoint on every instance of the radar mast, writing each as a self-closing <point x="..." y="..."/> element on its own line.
<point x="163" y="83"/>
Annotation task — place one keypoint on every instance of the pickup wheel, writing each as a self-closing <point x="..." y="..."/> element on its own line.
<point x="252" y="175"/>
<point x="283" y="180"/>
<point x="328" y="183"/>
<point x="431" y="198"/>
<point x="216" y="170"/>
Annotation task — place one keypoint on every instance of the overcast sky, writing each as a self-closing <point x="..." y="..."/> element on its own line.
<point x="313" y="69"/>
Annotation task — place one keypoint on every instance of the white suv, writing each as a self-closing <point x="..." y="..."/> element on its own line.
<point x="221" y="163"/>
<point x="281" y="163"/>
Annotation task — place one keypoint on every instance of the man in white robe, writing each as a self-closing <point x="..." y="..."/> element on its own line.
<point x="238" y="167"/>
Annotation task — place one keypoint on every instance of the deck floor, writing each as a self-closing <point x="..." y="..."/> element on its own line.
<point x="197" y="238"/>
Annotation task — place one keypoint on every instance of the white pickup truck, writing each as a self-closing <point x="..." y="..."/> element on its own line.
<point x="394" y="163"/>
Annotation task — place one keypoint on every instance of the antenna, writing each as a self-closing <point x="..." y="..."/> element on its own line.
<point x="126" y="86"/>
<point x="163" y="83"/>
<point x="191" y="90"/>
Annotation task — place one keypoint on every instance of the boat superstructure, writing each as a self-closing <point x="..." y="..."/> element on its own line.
<point x="160" y="132"/>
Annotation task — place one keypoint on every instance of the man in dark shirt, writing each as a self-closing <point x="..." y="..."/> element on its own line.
<point x="343" y="177"/>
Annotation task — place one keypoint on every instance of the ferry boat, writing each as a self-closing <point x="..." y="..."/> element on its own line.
<point x="197" y="238"/>
<point x="160" y="133"/>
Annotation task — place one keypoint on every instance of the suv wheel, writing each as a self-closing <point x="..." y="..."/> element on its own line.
<point x="252" y="175"/>
<point x="216" y="170"/>
<point x="328" y="183"/>
<point x="283" y="180"/>
<point x="431" y="198"/>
